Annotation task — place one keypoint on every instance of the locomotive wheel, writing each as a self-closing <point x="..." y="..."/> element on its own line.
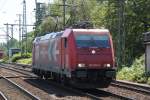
<point x="56" y="77"/>
<point x="46" y="77"/>
<point x="40" y="76"/>
<point x="64" y="80"/>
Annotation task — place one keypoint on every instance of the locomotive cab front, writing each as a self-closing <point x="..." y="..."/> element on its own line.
<point x="94" y="57"/>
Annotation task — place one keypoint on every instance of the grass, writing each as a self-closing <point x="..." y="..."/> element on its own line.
<point x="25" y="61"/>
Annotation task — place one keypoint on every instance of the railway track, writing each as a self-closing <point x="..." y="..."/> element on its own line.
<point x="23" y="67"/>
<point x="27" y="73"/>
<point x="2" y="96"/>
<point x="100" y="93"/>
<point x="103" y="94"/>
<point x="12" y="91"/>
<point x="144" y="89"/>
<point x="94" y="94"/>
<point x="40" y="83"/>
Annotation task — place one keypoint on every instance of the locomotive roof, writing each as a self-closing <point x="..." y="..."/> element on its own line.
<point x="67" y="32"/>
<point x="48" y="36"/>
<point x="92" y="30"/>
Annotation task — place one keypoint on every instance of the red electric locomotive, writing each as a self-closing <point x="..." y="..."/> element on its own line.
<point x="82" y="57"/>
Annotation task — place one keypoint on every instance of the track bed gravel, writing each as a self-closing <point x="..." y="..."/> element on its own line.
<point x="127" y="93"/>
<point x="11" y="92"/>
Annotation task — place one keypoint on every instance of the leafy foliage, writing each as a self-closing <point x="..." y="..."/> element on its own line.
<point x="18" y="56"/>
<point x="134" y="73"/>
<point x="104" y="13"/>
<point x="5" y="59"/>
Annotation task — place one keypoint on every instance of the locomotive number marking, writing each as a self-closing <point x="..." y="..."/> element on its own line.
<point x="52" y="51"/>
<point x="55" y="52"/>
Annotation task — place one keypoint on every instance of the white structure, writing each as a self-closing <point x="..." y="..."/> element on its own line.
<point x="147" y="52"/>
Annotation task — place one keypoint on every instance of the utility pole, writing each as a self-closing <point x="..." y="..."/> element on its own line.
<point x="12" y="29"/>
<point x="35" y="11"/>
<point x="73" y="11"/>
<point x="64" y="12"/>
<point x="121" y="33"/>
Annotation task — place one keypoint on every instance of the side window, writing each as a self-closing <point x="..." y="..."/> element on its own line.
<point x="65" y="42"/>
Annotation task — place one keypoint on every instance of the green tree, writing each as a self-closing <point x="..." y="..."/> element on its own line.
<point x="130" y="15"/>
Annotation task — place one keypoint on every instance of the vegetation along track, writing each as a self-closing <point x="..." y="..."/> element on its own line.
<point x="12" y="91"/>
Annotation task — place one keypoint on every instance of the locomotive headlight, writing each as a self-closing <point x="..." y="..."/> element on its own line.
<point x="108" y="65"/>
<point x="81" y="65"/>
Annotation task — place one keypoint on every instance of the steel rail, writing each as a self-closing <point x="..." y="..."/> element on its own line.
<point x="69" y="88"/>
<point x="144" y="89"/>
<point x="59" y="85"/>
<point x="24" y="91"/>
<point x="20" y="69"/>
<point x="85" y="93"/>
<point x="117" y="96"/>
<point x="2" y="96"/>
<point x="22" y="72"/>
<point x="14" y="66"/>
<point x="18" y="64"/>
<point x="121" y="84"/>
<point x="88" y="93"/>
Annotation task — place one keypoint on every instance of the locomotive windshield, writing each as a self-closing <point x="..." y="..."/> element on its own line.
<point x="92" y="40"/>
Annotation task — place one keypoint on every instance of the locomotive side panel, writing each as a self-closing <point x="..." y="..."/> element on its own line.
<point x="43" y="55"/>
<point x="47" y="57"/>
<point x="53" y="55"/>
<point x="36" y="57"/>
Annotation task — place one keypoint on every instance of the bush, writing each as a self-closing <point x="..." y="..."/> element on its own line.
<point x="18" y="56"/>
<point x="148" y="81"/>
<point x="133" y="73"/>
<point x="5" y="59"/>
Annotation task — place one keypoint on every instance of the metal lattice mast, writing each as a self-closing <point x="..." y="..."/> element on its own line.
<point x="19" y="30"/>
<point x="36" y="12"/>
<point x="24" y="26"/>
<point x="7" y="37"/>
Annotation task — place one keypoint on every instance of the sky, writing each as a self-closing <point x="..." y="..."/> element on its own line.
<point x="8" y="14"/>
